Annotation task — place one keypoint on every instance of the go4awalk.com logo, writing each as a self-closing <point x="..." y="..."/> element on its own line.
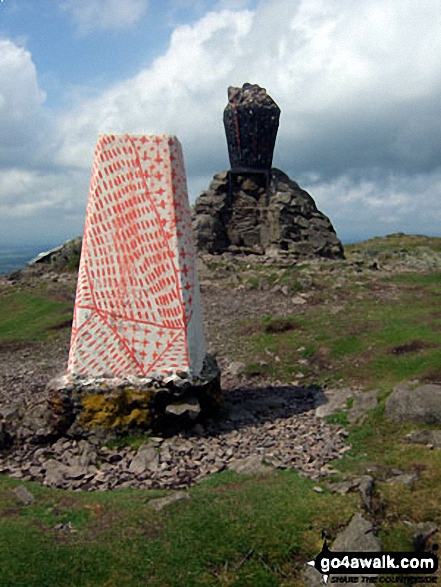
<point x="399" y="568"/>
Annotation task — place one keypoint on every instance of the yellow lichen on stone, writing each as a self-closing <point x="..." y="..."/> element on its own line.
<point x="117" y="409"/>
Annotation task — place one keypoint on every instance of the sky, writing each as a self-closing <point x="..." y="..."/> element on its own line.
<point x="358" y="84"/>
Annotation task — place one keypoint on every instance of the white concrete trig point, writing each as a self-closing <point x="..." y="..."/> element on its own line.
<point x="137" y="309"/>
<point x="137" y="355"/>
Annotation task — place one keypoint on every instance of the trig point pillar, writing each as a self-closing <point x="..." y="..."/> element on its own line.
<point x="137" y="355"/>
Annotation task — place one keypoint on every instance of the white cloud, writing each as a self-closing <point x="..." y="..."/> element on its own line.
<point x="182" y="93"/>
<point x="27" y="189"/>
<point x="37" y="205"/>
<point x="334" y="67"/>
<point x="365" y="208"/>
<point x="358" y="83"/>
<point x="21" y="100"/>
<point x="90" y="15"/>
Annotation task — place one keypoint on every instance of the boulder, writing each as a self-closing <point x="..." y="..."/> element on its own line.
<point x="23" y="495"/>
<point x="249" y="465"/>
<point x="420" y="404"/>
<point x="358" y="536"/>
<point x="161" y="502"/>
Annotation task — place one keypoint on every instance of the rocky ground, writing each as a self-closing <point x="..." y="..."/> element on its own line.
<point x="264" y="421"/>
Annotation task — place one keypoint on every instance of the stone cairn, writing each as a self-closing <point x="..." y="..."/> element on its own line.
<point x="137" y="357"/>
<point x="254" y="208"/>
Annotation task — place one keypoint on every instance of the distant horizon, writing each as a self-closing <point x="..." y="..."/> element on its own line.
<point x="54" y="243"/>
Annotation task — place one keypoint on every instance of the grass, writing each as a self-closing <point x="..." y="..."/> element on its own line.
<point x="235" y="530"/>
<point x="374" y="341"/>
<point x="380" y="444"/>
<point x="27" y="316"/>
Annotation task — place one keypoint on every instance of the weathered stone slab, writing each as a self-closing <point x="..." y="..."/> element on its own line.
<point x="358" y="536"/>
<point x="137" y="309"/>
<point x="251" y="120"/>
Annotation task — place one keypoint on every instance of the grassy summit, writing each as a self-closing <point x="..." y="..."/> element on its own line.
<point x="366" y="323"/>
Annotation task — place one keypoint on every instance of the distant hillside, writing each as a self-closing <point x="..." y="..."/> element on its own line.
<point x="414" y="251"/>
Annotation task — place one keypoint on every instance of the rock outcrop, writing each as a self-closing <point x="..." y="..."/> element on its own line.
<point x="240" y="212"/>
<point x="66" y="256"/>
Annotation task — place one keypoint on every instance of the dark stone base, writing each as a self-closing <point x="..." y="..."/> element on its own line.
<point x="268" y="215"/>
<point x="80" y="406"/>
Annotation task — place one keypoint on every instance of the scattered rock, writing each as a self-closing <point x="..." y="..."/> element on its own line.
<point x="358" y="536"/>
<point x="362" y="404"/>
<point x="38" y="422"/>
<point x="190" y="408"/>
<point x="24" y="495"/>
<point x="364" y="484"/>
<point x="272" y="425"/>
<point x="431" y="438"/>
<point x="298" y="300"/>
<point x="64" y="527"/>
<point x="407" y="479"/>
<point x="66" y="255"/>
<point x="366" y="489"/>
<point x="344" y="487"/>
<point x="146" y="459"/>
<point x="420" y="404"/>
<point x="236" y="368"/>
<point x="55" y="475"/>
<point x="249" y="465"/>
<point x="333" y="401"/>
<point x="160" y="503"/>
<point x="311" y="577"/>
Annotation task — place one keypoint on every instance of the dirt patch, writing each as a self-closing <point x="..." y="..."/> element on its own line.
<point x="60" y="325"/>
<point x="10" y="346"/>
<point x="361" y="329"/>
<point x="412" y="347"/>
<point x="250" y="329"/>
<point x="10" y="513"/>
<point x="433" y="376"/>
<point x="277" y="325"/>
<point x="226" y="488"/>
<point x="320" y="360"/>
